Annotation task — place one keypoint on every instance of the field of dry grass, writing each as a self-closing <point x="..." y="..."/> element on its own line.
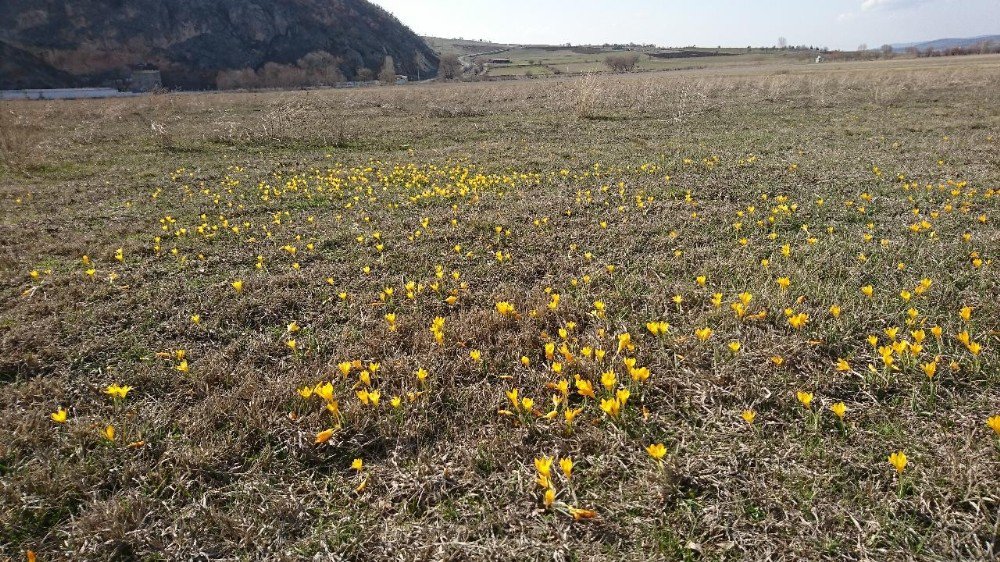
<point x="548" y="60"/>
<point x="533" y="61"/>
<point x="666" y="316"/>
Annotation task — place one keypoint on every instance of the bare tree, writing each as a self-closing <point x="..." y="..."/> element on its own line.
<point x="274" y="75"/>
<point x="450" y="67"/>
<point x="622" y="63"/>
<point x="234" y="79"/>
<point x="782" y="42"/>
<point x="887" y="51"/>
<point x="862" y="47"/>
<point x="321" y="68"/>
<point x="388" y="73"/>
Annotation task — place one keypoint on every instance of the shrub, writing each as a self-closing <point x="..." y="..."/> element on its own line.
<point x="388" y="73"/>
<point x="318" y="68"/>
<point x="321" y="68"/>
<point x="622" y="62"/>
<point x="450" y="67"/>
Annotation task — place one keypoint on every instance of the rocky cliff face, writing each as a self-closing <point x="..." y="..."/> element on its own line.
<point x="20" y="69"/>
<point x="95" y="42"/>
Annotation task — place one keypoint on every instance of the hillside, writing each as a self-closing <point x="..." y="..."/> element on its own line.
<point x="96" y="42"/>
<point x="950" y="43"/>
<point x="21" y="69"/>
<point x="462" y="47"/>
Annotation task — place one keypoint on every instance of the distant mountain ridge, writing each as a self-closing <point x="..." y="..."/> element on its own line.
<point x="948" y="43"/>
<point x="55" y="43"/>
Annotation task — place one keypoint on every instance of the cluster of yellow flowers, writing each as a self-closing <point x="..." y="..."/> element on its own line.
<point x="545" y="478"/>
<point x="368" y="397"/>
<point x="588" y="356"/>
<point x="108" y="433"/>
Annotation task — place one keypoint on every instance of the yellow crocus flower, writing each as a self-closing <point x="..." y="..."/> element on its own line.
<point x="898" y="460"/>
<point x="657" y="450"/>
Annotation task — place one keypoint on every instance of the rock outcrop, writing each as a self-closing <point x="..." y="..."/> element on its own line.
<point x="54" y="43"/>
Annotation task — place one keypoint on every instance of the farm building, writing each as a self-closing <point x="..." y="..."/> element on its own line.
<point x="145" y="81"/>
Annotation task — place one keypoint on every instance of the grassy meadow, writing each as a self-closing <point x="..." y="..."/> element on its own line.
<point x="669" y="316"/>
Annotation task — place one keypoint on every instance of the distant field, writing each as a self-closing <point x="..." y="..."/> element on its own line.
<point x="674" y="315"/>
<point x="532" y="60"/>
<point x="571" y="62"/>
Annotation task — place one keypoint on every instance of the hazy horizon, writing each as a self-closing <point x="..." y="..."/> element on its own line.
<point x="837" y="24"/>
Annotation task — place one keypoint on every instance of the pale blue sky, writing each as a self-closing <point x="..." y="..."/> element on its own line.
<point x="842" y="24"/>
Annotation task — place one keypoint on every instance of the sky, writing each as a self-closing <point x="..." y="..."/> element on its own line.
<point x="837" y="24"/>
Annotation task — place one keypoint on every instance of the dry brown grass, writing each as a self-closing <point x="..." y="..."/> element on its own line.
<point x="224" y="471"/>
<point x="18" y="140"/>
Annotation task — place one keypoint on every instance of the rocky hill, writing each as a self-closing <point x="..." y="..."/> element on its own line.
<point x="54" y="43"/>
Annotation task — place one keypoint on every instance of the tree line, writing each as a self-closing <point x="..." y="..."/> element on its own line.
<point x="318" y="68"/>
